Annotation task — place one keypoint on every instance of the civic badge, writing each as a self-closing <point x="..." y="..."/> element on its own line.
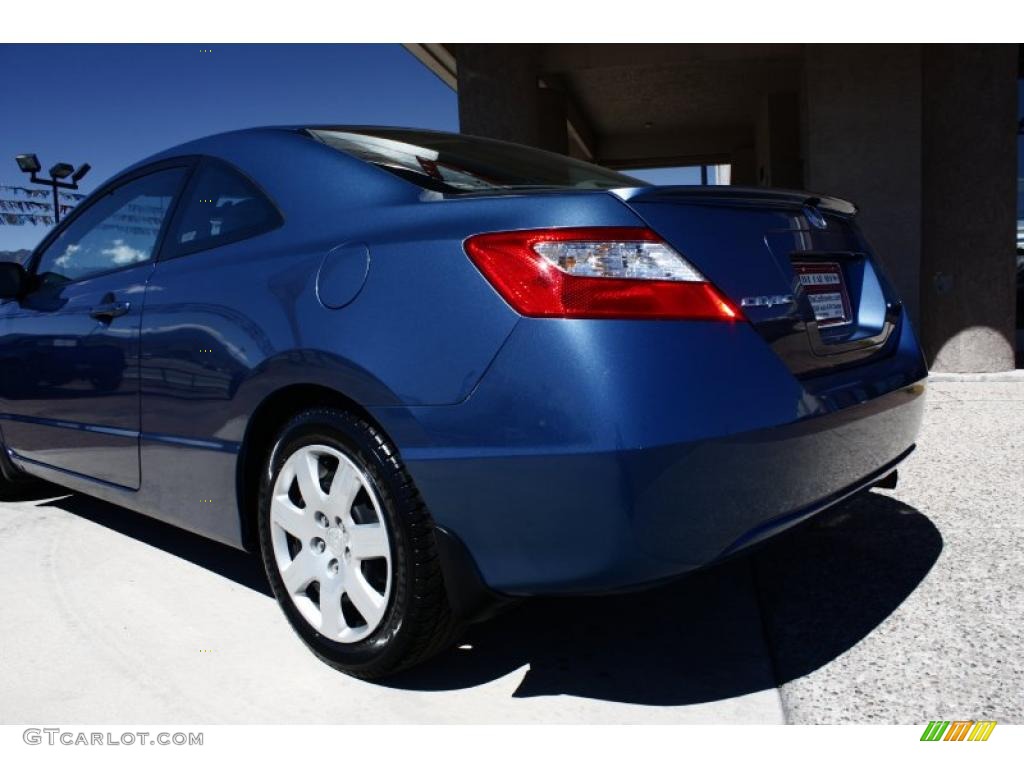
<point x="767" y="301"/>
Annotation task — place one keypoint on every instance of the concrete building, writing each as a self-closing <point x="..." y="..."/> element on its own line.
<point x="922" y="137"/>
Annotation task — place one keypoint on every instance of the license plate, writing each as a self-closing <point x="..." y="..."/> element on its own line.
<point x="823" y="283"/>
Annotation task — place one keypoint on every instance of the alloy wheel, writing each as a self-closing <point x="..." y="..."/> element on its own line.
<point x="330" y="543"/>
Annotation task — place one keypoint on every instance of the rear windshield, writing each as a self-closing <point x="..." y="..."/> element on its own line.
<point x="448" y="162"/>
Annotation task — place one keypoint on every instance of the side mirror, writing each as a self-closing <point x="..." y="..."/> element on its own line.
<point x="13" y="280"/>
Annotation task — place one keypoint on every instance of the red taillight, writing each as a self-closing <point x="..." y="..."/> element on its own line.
<point x="596" y="272"/>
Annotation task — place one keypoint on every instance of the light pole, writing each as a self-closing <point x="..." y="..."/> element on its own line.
<point x="30" y="164"/>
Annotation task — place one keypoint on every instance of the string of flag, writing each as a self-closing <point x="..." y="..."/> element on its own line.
<point x="30" y="205"/>
<point x="42" y="219"/>
<point x="41" y="193"/>
<point x="21" y="212"/>
<point x="26" y="209"/>
<point x="16" y="219"/>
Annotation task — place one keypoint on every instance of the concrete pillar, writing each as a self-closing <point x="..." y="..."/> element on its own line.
<point x="969" y="169"/>
<point x="552" y="128"/>
<point x="862" y="141"/>
<point x="778" y="141"/>
<point x="744" y="167"/>
<point x="500" y="97"/>
<point x="923" y="139"/>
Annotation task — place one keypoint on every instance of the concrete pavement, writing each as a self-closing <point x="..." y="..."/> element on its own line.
<point x="898" y="607"/>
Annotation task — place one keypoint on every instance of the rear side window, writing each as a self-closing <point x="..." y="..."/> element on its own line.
<point x="222" y="207"/>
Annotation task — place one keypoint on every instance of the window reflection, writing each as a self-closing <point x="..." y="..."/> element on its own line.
<point x="118" y="230"/>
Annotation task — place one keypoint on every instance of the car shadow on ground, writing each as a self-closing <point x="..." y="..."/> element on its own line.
<point x="746" y="625"/>
<point x="236" y="565"/>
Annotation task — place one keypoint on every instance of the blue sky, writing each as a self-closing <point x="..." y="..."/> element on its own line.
<point x="111" y="105"/>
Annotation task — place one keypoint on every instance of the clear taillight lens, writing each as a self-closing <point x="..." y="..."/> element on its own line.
<point x="596" y="272"/>
<point x="622" y="259"/>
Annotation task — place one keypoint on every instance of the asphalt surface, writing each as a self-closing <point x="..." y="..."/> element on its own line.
<point x="898" y="607"/>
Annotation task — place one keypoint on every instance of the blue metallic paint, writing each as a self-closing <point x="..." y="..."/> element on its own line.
<point x="342" y="275"/>
<point x="609" y="430"/>
<point x="568" y="455"/>
<point x="67" y="381"/>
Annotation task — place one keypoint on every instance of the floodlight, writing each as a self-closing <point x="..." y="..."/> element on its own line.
<point x="28" y="163"/>
<point x="61" y="170"/>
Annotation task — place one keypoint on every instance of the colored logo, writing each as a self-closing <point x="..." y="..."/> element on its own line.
<point x="958" y="730"/>
<point x="814" y="216"/>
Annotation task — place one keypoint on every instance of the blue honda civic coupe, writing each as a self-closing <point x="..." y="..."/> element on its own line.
<point x="425" y="374"/>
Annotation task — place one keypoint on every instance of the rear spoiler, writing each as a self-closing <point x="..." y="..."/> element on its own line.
<point x="736" y="196"/>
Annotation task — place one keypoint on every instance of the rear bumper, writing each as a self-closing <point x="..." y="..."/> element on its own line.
<point x="598" y="456"/>
<point x="783" y="522"/>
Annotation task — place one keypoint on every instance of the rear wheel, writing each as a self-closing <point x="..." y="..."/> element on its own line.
<point x="348" y="547"/>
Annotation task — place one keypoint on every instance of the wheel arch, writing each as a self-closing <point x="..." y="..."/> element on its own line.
<point x="472" y="600"/>
<point x="273" y="412"/>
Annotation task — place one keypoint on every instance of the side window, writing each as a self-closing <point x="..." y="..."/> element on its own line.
<point x="118" y="230"/>
<point x="223" y="206"/>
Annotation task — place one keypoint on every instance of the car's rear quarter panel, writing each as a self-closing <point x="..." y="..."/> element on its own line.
<point x="226" y="328"/>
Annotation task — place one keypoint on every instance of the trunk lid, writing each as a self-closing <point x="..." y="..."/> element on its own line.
<point x="795" y="263"/>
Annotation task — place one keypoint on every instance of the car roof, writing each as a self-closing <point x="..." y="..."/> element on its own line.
<point x="195" y="145"/>
<point x="215" y="143"/>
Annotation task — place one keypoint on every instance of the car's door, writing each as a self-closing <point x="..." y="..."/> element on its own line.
<point x="198" y="336"/>
<point x="69" y="383"/>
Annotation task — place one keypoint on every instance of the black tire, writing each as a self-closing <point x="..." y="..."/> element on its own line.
<point x="418" y="621"/>
<point x="15" y="485"/>
<point x="10" y="490"/>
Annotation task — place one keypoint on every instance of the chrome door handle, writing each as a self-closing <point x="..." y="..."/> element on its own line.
<point x="109" y="310"/>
